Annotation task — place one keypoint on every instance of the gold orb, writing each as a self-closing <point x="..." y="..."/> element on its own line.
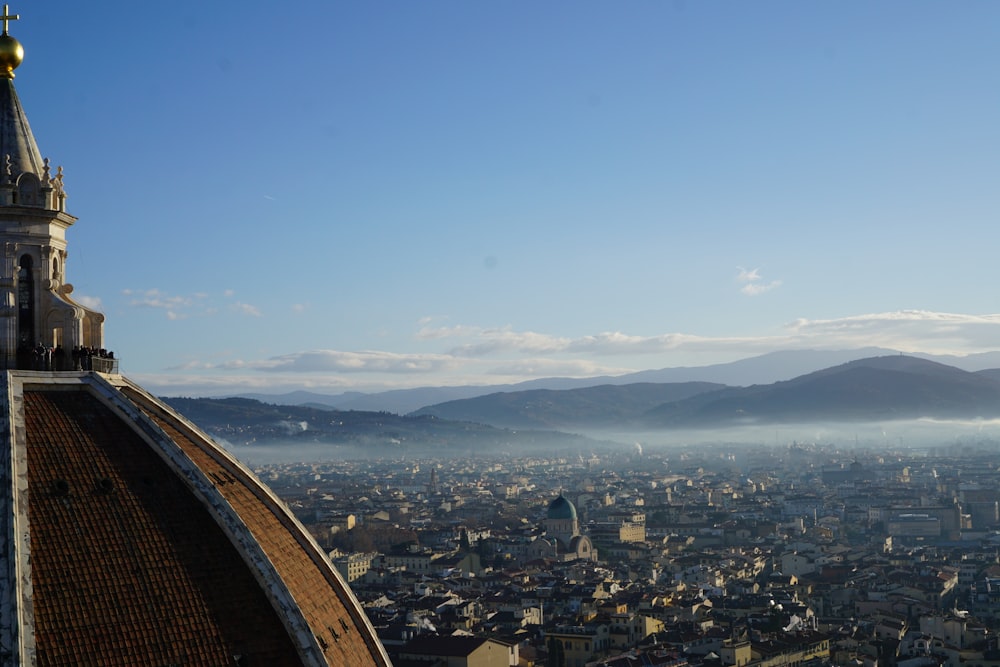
<point x="11" y="55"/>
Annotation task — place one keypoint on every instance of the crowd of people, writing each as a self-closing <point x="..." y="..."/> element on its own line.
<point x="46" y="358"/>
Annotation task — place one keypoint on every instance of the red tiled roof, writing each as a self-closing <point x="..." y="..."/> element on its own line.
<point x="127" y="566"/>
<point x="317" y="591"/>
<point x="129" y="558"/>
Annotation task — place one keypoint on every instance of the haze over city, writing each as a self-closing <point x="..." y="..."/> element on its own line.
<point x="340" y="196"/>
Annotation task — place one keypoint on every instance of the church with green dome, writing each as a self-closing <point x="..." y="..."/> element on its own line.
<point x="561" y="509"/>
<point x="563" y="540"/>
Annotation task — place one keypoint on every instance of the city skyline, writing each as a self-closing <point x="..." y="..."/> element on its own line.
<point x="368" y="197"/>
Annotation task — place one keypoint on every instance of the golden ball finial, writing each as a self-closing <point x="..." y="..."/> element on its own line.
<point x="11" y="55"/>
<point x="11" y="51"/>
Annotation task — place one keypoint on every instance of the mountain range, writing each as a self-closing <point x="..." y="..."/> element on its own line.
<point x="243" y="421"/>
<point x="874" y="389"/>
<point x="762" y="369"/>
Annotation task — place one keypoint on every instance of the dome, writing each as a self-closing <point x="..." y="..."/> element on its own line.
<point x="560" y="508"/>
<point x="132" y="538"/>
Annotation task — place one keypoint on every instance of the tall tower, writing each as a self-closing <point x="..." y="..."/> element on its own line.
<point x="128" y="536"/>
<point x="36" y="306"/>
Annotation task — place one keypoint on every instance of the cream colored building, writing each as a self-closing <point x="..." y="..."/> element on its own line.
<point x="354" y="566"/>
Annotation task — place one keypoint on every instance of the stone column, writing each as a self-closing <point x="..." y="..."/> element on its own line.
<point x="8" y="306"/>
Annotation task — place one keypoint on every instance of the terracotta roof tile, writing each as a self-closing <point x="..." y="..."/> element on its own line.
<point x="319" y="593"/>
<point x="127" y="565"/>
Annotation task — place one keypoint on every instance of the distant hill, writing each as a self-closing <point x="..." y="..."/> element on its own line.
<point x="762" y="369"/>
<point x="991" y="373"/>
<point x="399" y="401"/>
<point x="602" y="406"/>
<point x="875" y="389"/>
<point x="883" y="388"/>
<point x="243" y="421"/>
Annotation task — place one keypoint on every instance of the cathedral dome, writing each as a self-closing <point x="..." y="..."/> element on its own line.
<point x="560" y="508"/>
<point x="133" y="538"/>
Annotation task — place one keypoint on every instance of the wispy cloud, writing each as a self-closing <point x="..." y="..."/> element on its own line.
<point x="181" y="307"/>
<point x="92" y="302"/>
<point x="753" y="283"/>
<point x="246" y="309"/>
<point x="487" y="342"/>
<point x="906" y="330"/>
<point x="315" y="361"/>
<point x="154" y="298"/>
<point x="492" y="355"/>
<point x="426" y="332"/>
<point x="190" y="365"/>
<point x="522" y="368"/>
<point x="207" y="384"/>
<point x="493" y="341"/>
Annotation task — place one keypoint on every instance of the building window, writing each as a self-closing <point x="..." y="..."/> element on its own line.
<point x="25" y="303"/>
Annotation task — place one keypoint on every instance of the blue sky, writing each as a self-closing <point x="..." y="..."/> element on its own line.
<point x="370" y="195"/>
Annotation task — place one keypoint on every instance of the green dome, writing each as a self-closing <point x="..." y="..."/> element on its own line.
<point x="560" y="508"/>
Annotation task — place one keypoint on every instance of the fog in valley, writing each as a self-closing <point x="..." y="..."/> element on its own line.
<point x="914" y="437"/>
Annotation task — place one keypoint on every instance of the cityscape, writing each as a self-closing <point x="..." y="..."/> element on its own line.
<point x="795" y="554"/>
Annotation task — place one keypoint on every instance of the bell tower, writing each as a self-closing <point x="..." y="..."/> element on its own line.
<point x="37" y="311"/>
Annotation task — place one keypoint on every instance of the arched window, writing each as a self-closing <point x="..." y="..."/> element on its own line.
<point x="25" y="303"/>
<point x="27" y="190"/>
